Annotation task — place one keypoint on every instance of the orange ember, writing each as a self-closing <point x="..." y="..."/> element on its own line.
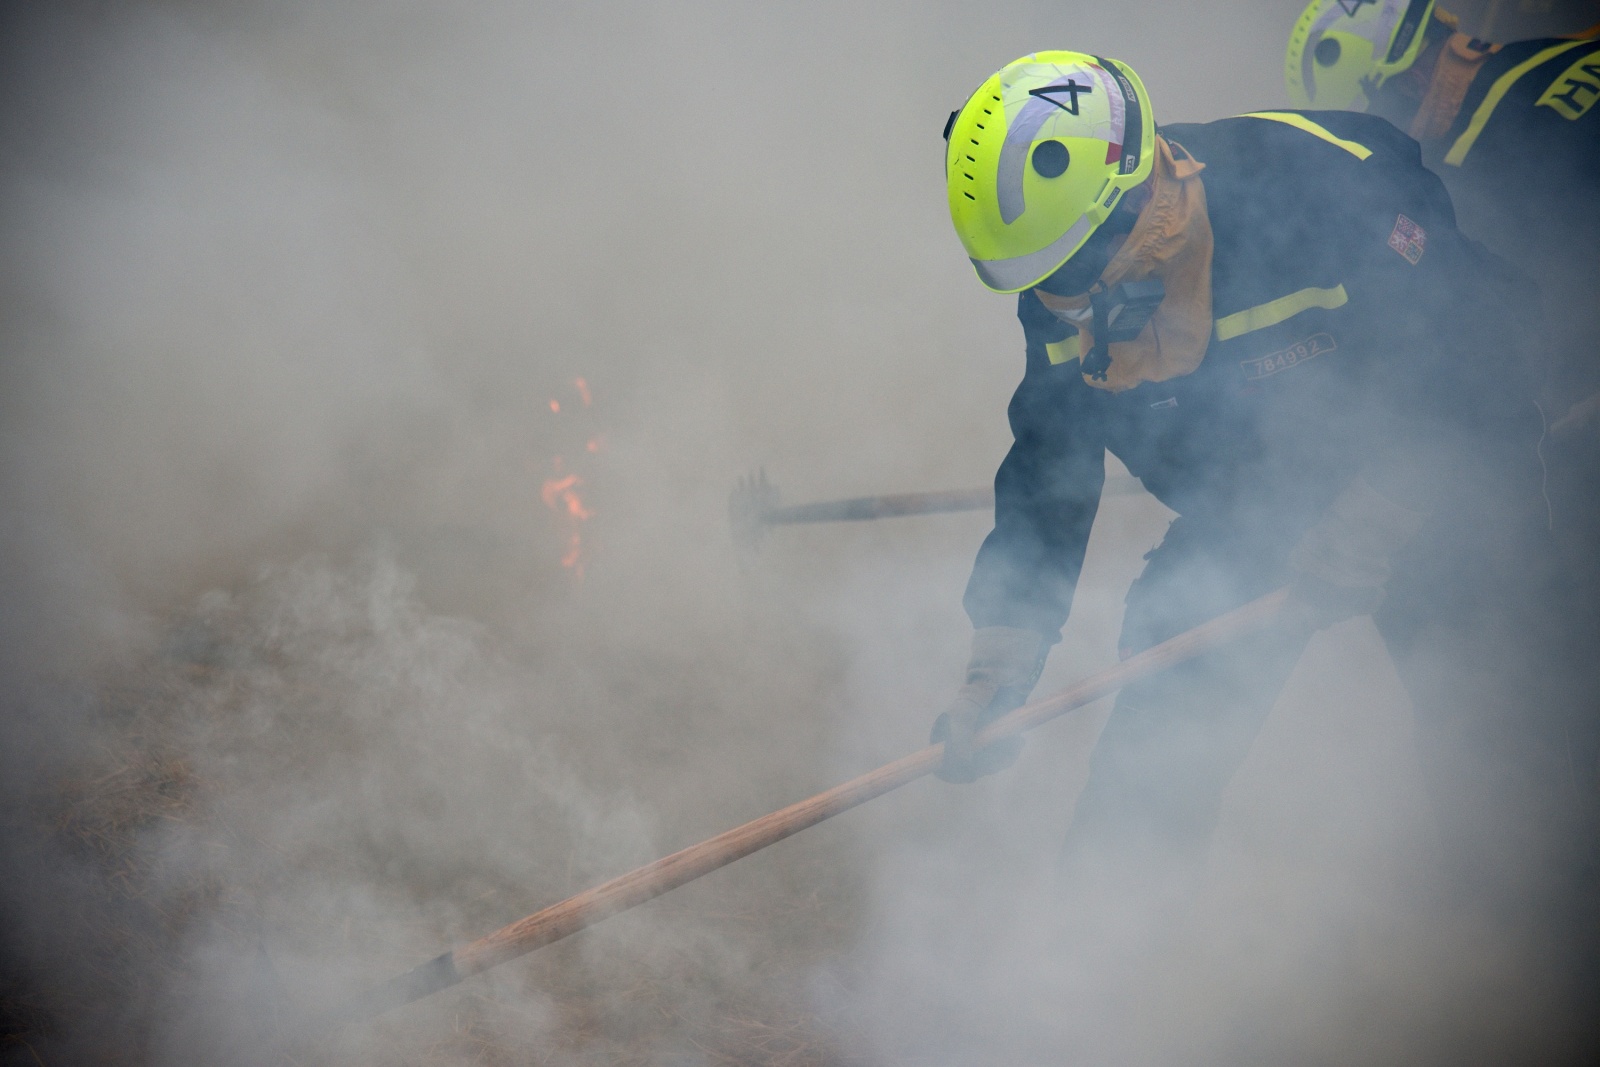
<point x="554" y="487"/>
<point x="560" y="492"/>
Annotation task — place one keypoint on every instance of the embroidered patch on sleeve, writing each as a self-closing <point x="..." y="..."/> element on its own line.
<point x="1293" y="356"/>
<point x="1409" y="239"/>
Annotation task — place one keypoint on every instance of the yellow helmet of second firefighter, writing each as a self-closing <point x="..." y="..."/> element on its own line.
<point x="1037" y="158"/>
<point x="1341" y="50"/>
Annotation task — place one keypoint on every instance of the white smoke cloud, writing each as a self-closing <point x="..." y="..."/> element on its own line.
<point x="289" y="289"/>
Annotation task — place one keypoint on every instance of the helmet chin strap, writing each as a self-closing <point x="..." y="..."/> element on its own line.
<point x="1147" y="315"/>
<point x="1120" y="314"/>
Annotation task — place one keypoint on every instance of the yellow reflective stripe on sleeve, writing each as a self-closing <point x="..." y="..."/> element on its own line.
<point x="1063" y="351"/>
<point x="1300" y="122"/>
<point x="1497" y="91"/>
<point x="1275" y="311"/>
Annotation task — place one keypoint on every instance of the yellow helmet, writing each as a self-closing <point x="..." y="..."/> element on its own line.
<point x="1037" y="158"/>
<point x="1342" y="50"/>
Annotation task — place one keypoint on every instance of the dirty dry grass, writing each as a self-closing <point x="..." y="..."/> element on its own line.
<point x="148" y="859"/>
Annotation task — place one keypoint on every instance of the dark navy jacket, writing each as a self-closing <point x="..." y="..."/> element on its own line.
<point x="1524" y="149"/>
<point x="1356" y="330"/>
<point x="1522" y="163"/>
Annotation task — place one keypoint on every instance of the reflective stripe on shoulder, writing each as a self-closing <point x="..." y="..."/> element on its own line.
<point x="1063" y="351"/>
<point x="1275" y="311"/>
<point x="1497" y="91"/>
<point x="1300" y="122"/>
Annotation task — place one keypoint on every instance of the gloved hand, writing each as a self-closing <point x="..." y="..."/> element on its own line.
<point x="1341" y="564"/>
<point x="1005" y="665"/>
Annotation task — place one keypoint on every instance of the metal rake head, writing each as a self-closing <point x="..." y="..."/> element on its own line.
<point x="753" y="499"/>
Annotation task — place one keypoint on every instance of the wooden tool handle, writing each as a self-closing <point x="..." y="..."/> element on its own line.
<point x="642" y="884"/>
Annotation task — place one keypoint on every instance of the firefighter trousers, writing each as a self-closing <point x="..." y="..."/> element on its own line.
<point x="1481" y="627"/>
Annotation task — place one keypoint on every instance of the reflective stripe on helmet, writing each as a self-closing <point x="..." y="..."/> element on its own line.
<point x="1006" y="275"/>
<point x="1366" y="42"/>
<point x="1035" y="113"/>
<point x="1325" y="22"/>
<point x="1020" y="204"/>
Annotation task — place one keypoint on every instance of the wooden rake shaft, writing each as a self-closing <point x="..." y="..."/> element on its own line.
<point x="653" y="879"/>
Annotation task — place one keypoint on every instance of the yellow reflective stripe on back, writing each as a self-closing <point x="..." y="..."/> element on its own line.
<point x="1300" y="122"/>
<point x="1497" y="91"/>
<point x="1063" y="351"/>
<point x="1275" y="311"/>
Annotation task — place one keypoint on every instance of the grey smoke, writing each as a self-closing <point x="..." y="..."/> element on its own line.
<point x="288" y="289"/>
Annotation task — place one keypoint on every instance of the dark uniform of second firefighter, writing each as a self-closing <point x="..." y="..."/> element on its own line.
<point x="1514" y="133"/>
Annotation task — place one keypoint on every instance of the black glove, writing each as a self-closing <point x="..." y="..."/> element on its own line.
<point x="1341" y="564"/>
<point x="1005" y="665"/>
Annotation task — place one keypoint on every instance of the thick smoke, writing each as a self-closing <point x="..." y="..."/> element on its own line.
<point x="298" y="691"/>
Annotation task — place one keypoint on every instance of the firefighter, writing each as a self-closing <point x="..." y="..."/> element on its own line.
<point x="1514" y="132"/>
<point x="1274" y="323"/>
<point x="1512" y="129"/>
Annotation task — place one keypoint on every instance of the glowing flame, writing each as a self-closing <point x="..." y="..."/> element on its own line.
<point x="562" y="494"/>
<point x="560" y="491"/>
